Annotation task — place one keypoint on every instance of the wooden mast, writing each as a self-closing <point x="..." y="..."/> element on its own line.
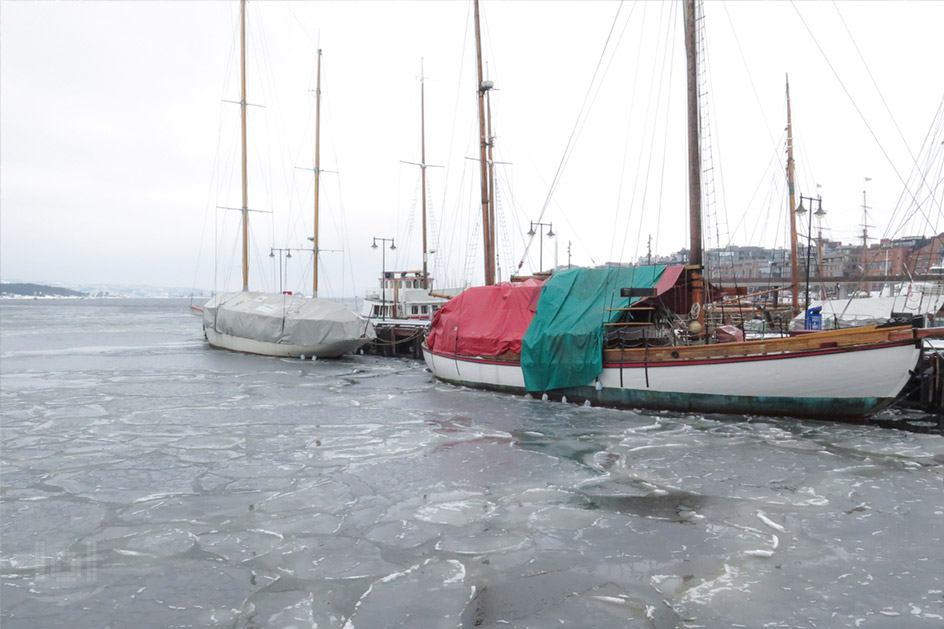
<point x="794" y="272"/>
<point x="242" y="109"/>
<point x="483" y="158"/>
<point x="423" y="173"/>
<point x="314" y="244"/>
<point x="491" y="181"/>
<point x="694" y="173"/>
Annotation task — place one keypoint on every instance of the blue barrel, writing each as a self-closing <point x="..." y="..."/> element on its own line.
<point x="814" y="318"/>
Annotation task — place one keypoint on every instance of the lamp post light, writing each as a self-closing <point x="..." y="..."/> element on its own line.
<point x="383" y="273"/>
<point x="819" y="213"/>
<point x="550" y="234"/>
<point x="288" y="254"/>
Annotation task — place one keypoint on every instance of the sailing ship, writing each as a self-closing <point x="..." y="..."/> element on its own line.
<point x="403" y="306"/>
<point x="636" y="337"/>
<point x="280" y="324"/>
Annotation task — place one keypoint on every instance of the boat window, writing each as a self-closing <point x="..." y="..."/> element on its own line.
<point x="414" y="310"/>
<point x="425" y="310"/>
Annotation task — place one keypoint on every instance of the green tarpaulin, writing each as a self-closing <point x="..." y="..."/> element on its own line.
<point x="563" y="346"/>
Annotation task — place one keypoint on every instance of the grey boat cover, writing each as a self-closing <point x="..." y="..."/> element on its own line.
<point x="287" y="319"/>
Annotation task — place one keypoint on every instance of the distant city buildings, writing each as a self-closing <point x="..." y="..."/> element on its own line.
<point x="898" y="258"/>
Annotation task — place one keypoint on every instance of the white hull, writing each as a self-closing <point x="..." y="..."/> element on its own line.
<point x="476" y="371"/>
<point x="848" y="383"/>
<point x="250" y="346"/>
<point x="877" y="372"/>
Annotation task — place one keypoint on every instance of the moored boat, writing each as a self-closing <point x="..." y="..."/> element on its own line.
<point x="281" y="324"/>
<point x="834" y="374"/>
<point x="635" y="336"/>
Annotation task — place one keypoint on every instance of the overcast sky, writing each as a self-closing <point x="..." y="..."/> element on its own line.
<point x="117" y="148"/>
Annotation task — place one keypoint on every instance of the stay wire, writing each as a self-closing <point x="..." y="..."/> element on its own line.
<point x="858" y="111"/>
<point x="929" y="143"/>
<point x="881" y="96"/>
<point x="570" y="141"/>
<point x="444" y="233"/>
<point x="616" y="222"/>
<point x="660" y="74"/>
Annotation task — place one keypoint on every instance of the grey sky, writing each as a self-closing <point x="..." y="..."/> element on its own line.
<point x="115" y="147"/>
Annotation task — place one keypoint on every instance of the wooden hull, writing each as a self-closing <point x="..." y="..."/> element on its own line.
<point x="220" y="340"/>
<point x="829" y="375"/>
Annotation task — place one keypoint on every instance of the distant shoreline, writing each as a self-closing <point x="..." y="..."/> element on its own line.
<point x="6" y="297"/>
<point x="31" y="290"/>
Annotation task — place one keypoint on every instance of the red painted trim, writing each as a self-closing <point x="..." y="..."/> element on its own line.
<point x="473" y="359"/>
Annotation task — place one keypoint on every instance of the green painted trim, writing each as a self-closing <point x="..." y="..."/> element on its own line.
<point x="812" y="408"/>
<point x="817" y="408"/>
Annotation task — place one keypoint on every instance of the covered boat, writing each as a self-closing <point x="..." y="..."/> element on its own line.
<point x="283" y="325"/>
<point x="475" y="339"/>
<point x="614" y="337"/>
<point x="637" y="336"/>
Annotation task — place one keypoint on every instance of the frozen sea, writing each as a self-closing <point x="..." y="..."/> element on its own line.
<point x="149" y="481"/>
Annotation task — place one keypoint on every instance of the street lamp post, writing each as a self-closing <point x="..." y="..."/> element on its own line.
<point x="288" y="254"/>
<point x="383" y="273"/>
<point x="550" y="234"/>
<point x="819" y="213"/>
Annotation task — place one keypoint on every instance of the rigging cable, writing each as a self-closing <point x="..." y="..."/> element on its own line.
<point x="932" y="145"/>
<point x="619" y="195"/>
<point x="668" y="106"/>
<point x="570" y="141"/>
<point x="887" y="108"/>
<point x="666" y="24"/>
<point x="859" y="111"/>
<point x="340" y="225"/>
<point x="445" y="260"/>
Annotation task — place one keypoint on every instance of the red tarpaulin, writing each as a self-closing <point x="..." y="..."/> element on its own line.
<point x="485" y="320"/>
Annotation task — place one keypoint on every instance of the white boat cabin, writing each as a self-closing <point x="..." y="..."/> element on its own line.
<point x="402" y="295"/>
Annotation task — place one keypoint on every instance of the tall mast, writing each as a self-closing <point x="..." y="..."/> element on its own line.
<point x="491" y="181"/>
<point x="694" y="167"/>
<point x="483" y="161"/>
<point x="423" y="171"/>
<point x="242" y="110"/>
<point x="317" y="174"/>
<point x="794" y="272"/>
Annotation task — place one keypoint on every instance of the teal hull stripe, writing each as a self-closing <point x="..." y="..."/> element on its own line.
<point x="814" y="407"/>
